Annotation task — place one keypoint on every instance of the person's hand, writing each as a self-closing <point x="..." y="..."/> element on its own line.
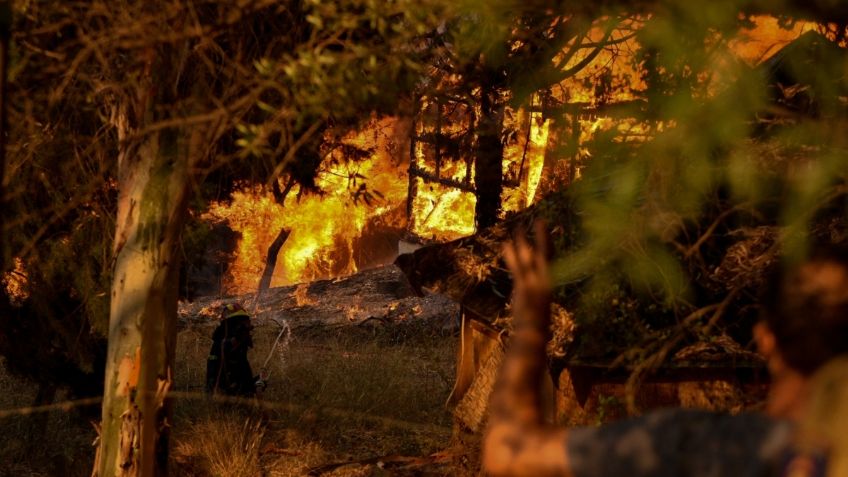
<point x="517" y="442"/>
<point x="516" y="403"/>
<point x="531" y="284"/>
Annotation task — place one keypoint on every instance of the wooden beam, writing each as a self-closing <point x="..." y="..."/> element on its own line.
<point x="432" y="178"/>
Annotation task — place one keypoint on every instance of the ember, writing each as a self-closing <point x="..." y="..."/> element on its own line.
<point x="16" y="283"/>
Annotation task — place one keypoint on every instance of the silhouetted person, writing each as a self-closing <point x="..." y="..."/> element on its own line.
<point x="228" y="370"/>
<point x="803" y="337"/>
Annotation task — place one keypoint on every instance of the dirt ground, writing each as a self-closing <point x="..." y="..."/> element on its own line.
<point x="333" y="399"/>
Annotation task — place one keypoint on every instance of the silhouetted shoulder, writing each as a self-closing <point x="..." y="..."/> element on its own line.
<point x="681" y="443"/>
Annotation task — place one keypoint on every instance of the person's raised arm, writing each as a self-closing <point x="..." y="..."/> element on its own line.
<point x="517" y="441"/>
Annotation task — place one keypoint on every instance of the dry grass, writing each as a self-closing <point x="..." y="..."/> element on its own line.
<point x="222" y="447"/>
<point x="332" y="397"/>
<point x="64" y="449"/>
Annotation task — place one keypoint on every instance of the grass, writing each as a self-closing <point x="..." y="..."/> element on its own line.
<point x="64" y="449"/>
<point x="222" y="446"/>
<point x="332" y="397"/>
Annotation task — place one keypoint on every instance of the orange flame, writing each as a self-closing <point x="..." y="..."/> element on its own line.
<point x="524" y="159"/>
<point x="751" y="45"/>
<point x="323" y="227"/>
<point x="766" y="37"/>
<point x="441" y="212"/>
<point x="301" y="295"/>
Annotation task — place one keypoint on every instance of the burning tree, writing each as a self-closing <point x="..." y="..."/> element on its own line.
<point x="350" y="218"/>
<point x="491" y="98"/>
<point x="561" y="65"/>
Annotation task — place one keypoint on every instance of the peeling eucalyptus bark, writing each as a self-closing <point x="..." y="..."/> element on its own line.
<point x="152" y="189"/>
<point x="153" y="180"/>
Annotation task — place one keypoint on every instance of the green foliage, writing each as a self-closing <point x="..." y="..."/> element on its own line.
<point x="371" y="55"/>
<point x="607" y="405"/>
<point x="635" y="201"/>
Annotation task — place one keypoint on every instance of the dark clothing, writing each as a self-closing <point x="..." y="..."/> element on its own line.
<point x="227" y="368"/>
<point x="681" y="442"/>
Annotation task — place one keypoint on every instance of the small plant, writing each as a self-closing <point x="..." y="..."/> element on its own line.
<point x="222" y="446"/>
<point x="607" y="405"/>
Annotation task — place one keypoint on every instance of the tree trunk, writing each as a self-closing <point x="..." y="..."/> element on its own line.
<point x="271" y="261"/>
<point x="5" y="33"/>
<point x="488" y="163"/>
<point x="152" y="190"/>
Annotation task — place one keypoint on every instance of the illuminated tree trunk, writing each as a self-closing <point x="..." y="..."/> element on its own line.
<point x="274" y="250"/>
<point x="153" y="178"/>
<point x="271" y="260"/>
<point x="152" y="188"/>
<point x="488" y="161"/>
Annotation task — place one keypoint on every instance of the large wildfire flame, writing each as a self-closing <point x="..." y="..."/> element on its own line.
<point x="440" y="212"/>
<point x="325" y="228"/>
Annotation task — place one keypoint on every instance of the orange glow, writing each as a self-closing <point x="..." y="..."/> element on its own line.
<point x="323" y="227"/>
<point x="16" y="283"/>
<point x="524" y="159"/>
<point x="612" y="64"/>
<point x="354" y="313"/>
<point x="616" y="65"/>
<point x="443" y="213"/>
<point x="301" y="295"/>
<point x="766" y="37"/>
